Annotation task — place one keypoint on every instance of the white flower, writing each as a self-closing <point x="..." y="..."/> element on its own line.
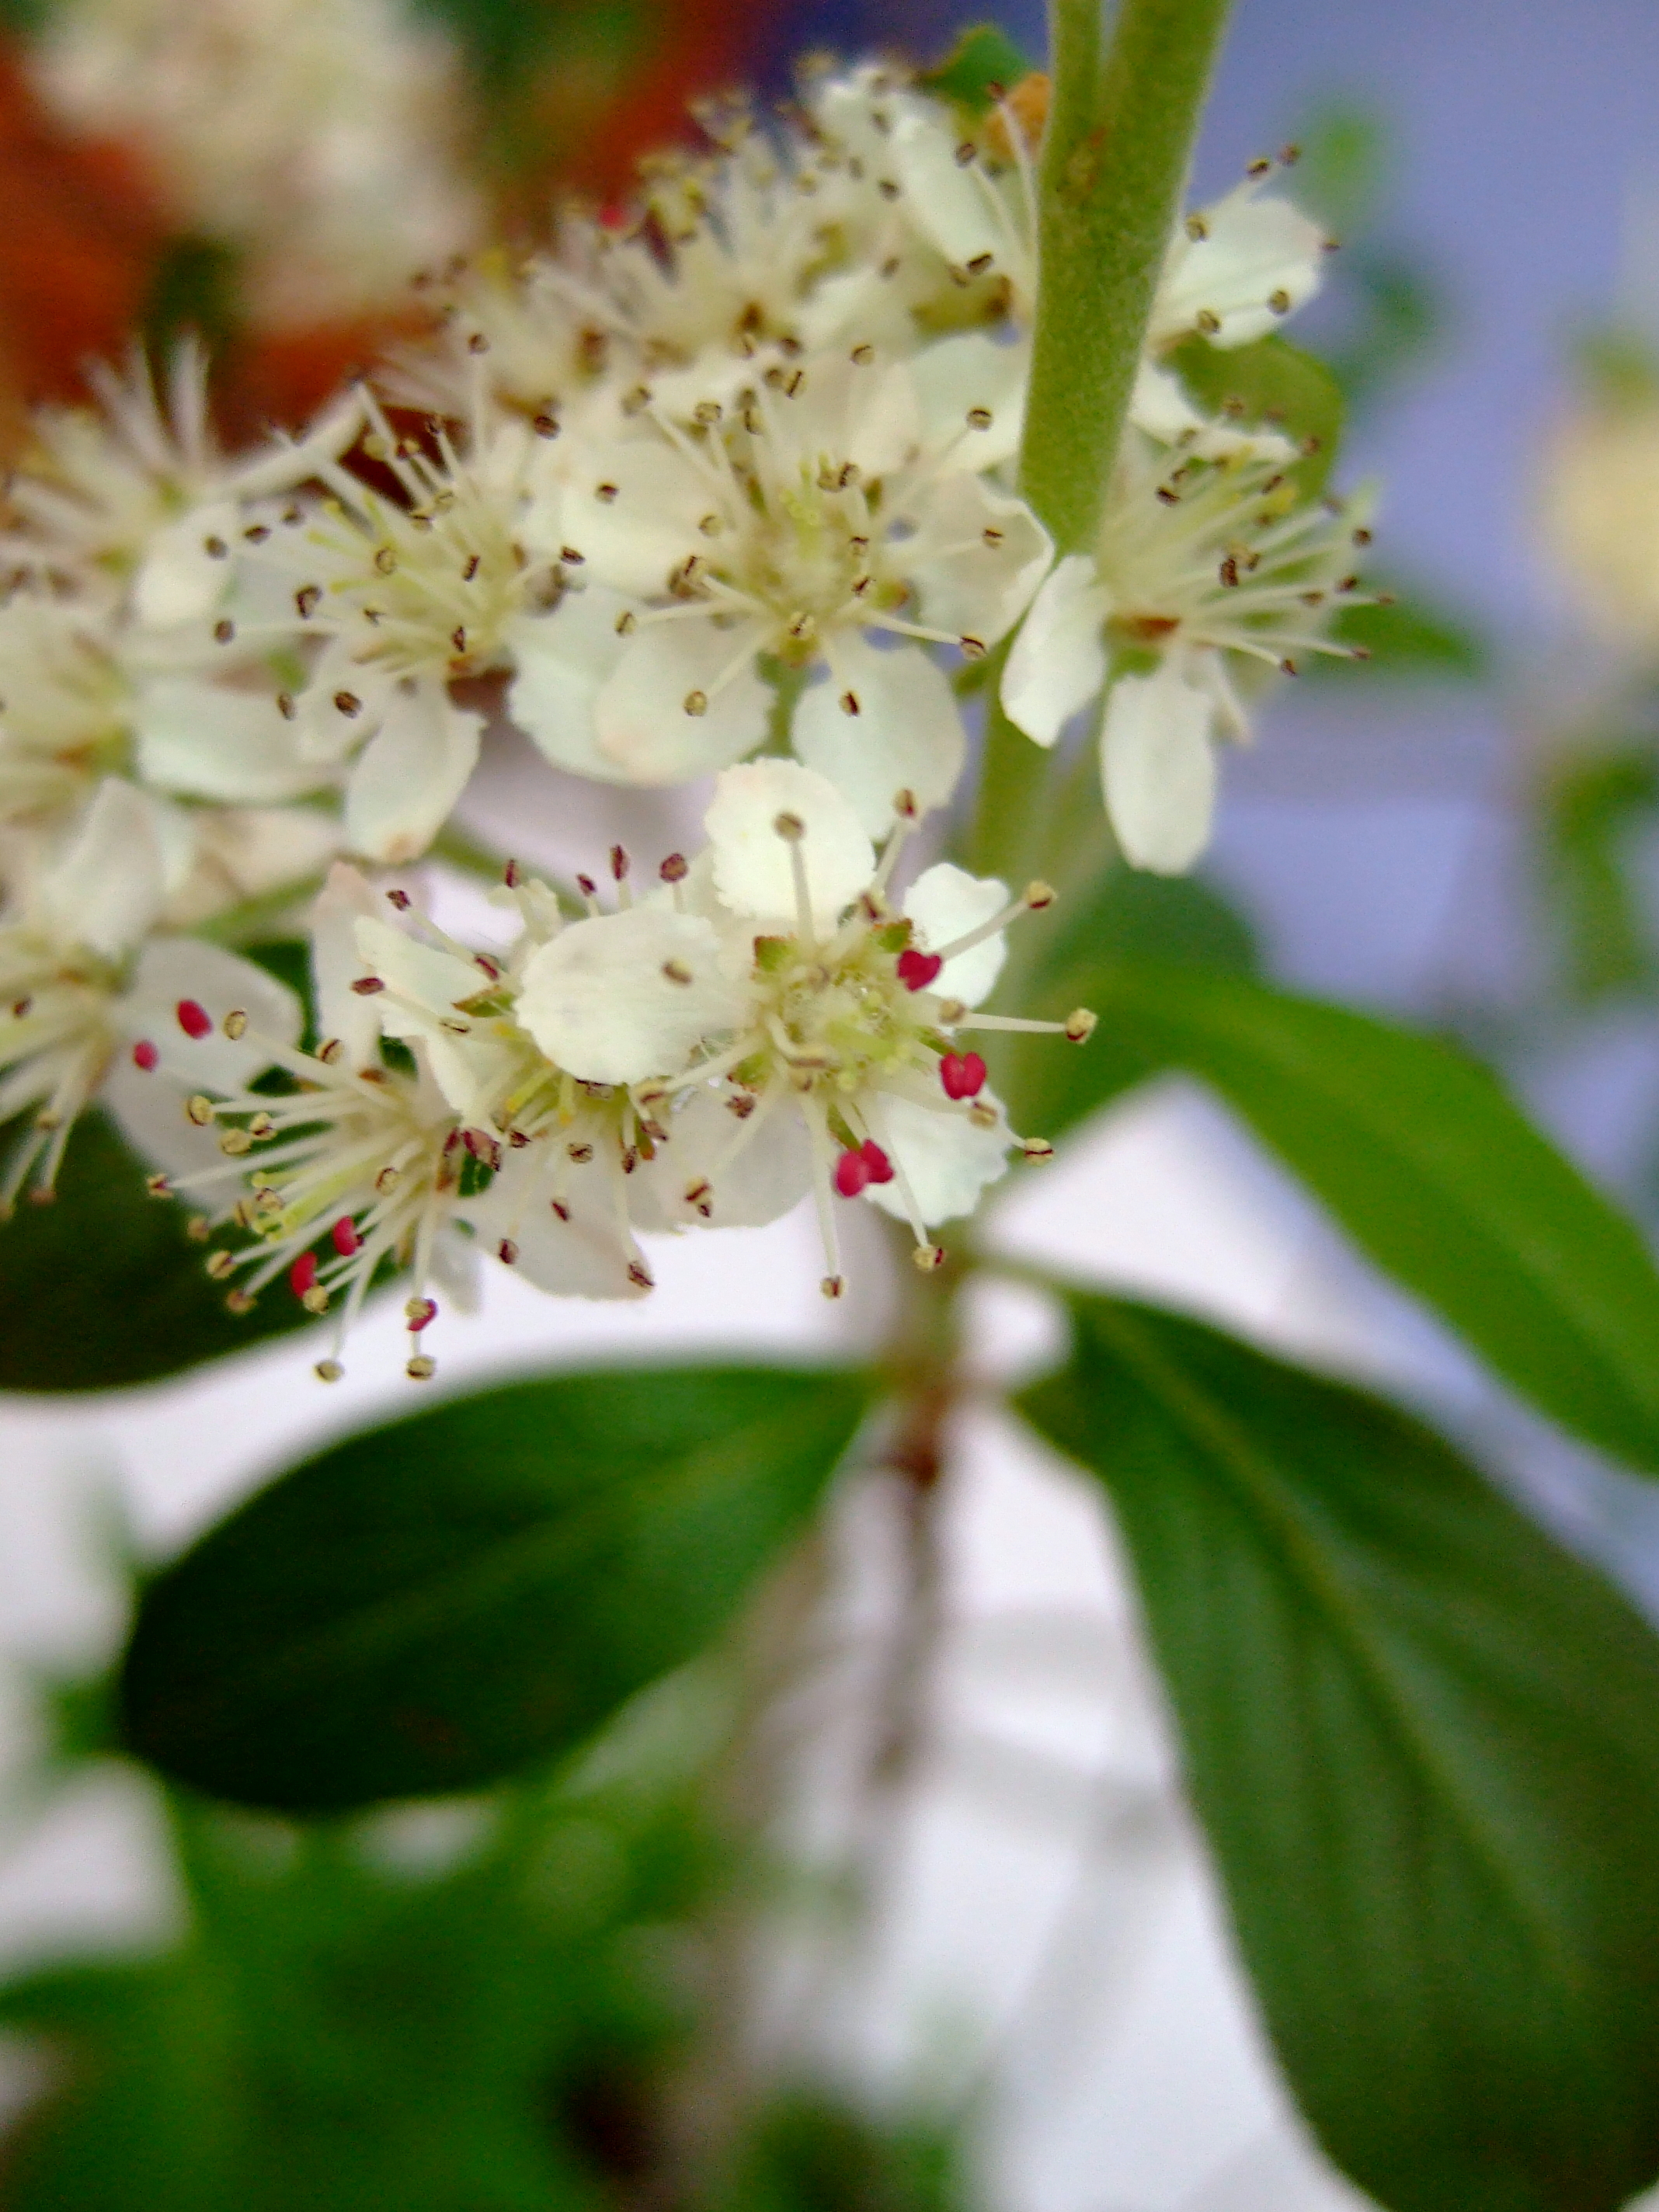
<point x="1206" y="577"/>
<point x="141" y="500"/>
<point x="319" y="135"/>
<point x="831" y="1018"/>
<point x="1237" y="268"/>
<point x="817" y="517"/>
<point x="404" y="599"/>
<point x="84" y="988"/>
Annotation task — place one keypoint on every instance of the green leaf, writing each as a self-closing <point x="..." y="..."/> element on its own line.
<point x="1269" y="385"/>
<point x="1425" y="1745"/>
<point x="1424" y="1159"/>
<point x="983" y="64"/>
<point x="428" y="1606"/>
<point x="105" y="1288"/>
<point x="1593" y="808"/>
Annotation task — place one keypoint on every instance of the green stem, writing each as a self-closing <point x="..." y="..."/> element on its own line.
<point x="1114" y="164"/>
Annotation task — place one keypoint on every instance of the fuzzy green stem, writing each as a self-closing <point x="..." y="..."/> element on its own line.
<point x="1113" y="164"/>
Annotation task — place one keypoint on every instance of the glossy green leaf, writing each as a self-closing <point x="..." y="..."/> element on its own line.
<point x="1425" y="1160"/>
<point x="1424" y="1743"/>
<point x="105" y="1288"/>
<point x="428" y="1606"/>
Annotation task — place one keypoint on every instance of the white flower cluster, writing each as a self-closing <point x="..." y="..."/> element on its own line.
<point x="735" y="478"/>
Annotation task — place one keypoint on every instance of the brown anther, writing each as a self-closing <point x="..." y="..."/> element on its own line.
<point x="1260" y="167"/>
<point x="1036" y="1149"/>
<point x="1279" y="301"/>
<point x="789" y="827"/>
<point x="330" y="1050"/>
<point x="239" y="1301"/>
<point x="980" y="264"/>
<point x="711" y="526"/>
<point x="219" y="1265"/>
<point x="641" y="1276"/>
<point x="260" y="1127"/>
<point x="586" y="886"/>
<point x="457" y="638"/>
<point x="388" y="1180"/>
<point x="511" y="876"/>
<point x="421" y="1368"/>
<point x="973" y="649"/>
<point x="560" y="1208"/>
<point x="477" y="343"/>
<point x="966" y="153"/>
<point x="676" y="971"/>
<point x="696" y="702"/>
<point x="741" y="1105"/>
<point x="385" y="560"/>
<point x="366" y="986"/>
<point x="471" y="568"/>
<point x="675" y="869"/>
<point x="215" y="548"/>
<point x="833" y="1286"/>
<point x="223" y="630"/>
<point x="545" y="426"/>
<point x="235" y="1024"/>
<point x="983" y="1113"/>
<point x="707" y="412"/>
<point x="1038" y="895"/>
<point x="1080" y="1025"/>
<point x="571" y="557"/>
<point x="158" y="1186"/>
<point x="199" y="1109"/>
<point x="507" y="1252"/>
<point x="1207" y="321"/>
<point x="285" y="706"/>
<point x="1288" y="667"/>
<point x="991" y="536"/>
<point x="627" y="622"/>
<point x="864" y="354"/>
<point x="605" y="493"/>
<point x="1197" y="229"/>
<point x="980" y="418"/>
<point x="1168" y="496"/>
<point x="328" y="1371"/>
<point x="349" y="704"/>
<point x="256" y="533"/>
<point x="579" y="1152"/>
<point x="849" y="703"/>
<point x="1228" y="572"/>
<point x="1362" y="537"/>
<point x="308" y="599"/>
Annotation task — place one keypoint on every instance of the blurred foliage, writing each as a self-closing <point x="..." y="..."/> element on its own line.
<point x="1596" y="807"/>
<point x="1274" y="386"/>
<point x="984" y="63"/>
<point x="147" y="1310"/>
<point x="1409" y="635"/>
<point x="474" y="2008"/>
<point x="1384" y="311"/>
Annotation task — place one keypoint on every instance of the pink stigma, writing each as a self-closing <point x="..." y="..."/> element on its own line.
<point x="880" y="1167"/>
<point x="962" y="1074"/>
<point x="916" y="970"/>
<point x="194" y="1019"/>
<point x="852" y="1174"/>
<point x="346" y="1239"/>
<point x="302" y="1274"/>
<point x="145" y="1055"/>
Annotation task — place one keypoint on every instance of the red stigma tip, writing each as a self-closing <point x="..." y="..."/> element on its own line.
<point x="880" y="1167"/>
<point x="852" y="1174"/>
<point x="916" y="970"/>
<point x="302" y="1274"/>
<point x="962" y="1074"/>
<point x="194" y="1019"/>
<point x="145" y="1055"/>
<point x="346" y="1239"/>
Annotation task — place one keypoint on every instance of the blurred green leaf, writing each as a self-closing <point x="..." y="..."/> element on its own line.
<point x="105" y="1288"/>
<point x="984" y="62"/>
<point x="1395" y="314"/>
<point x="428" y="1606"/>
<point x="1421" y="1156"/>
<point x="808" y="2154"/>
<point x="1592" y="807"/>
<point x="1343" y="158"/>
<point x="1410" y="637"/>
<point x="197" y="287"/>
<point x="1425" y="1745"/>
<point x="389" y="2015"/>
<point x="1269" y="386"/>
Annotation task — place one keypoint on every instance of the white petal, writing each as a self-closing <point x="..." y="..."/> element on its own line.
<point x="961" y="375"/>
<point x="946" y="901"/>
<point x="907" y="734"/>
<point x="179" y="579"/>
<point x="1158" y="766"/>
<point x="1255" y="248"/>
<point x="977" y="558"/>
<point x="408" y="777"/>
<point x="643" y="723"/>
<point x="426" y="990"/>
<point x="951" y="203"/>
<point x="564" y="660"/>
<point x="287" y="463"/>
<point x="206" y="741"/>
<point x="106" y="889"/>
<point x="635" y="538"/>
<point x="1162" y="409"/>
<point x="1058" y="659"/>
<point x="753" y="872"/>
<point x="947" y="1159"/>
<point x="600" y="1001"/>
<point x="771" y="1173"/>
<point x="583" y="1257"/>
<point x="171" y="969"/>
<point x="335" y="964"/>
